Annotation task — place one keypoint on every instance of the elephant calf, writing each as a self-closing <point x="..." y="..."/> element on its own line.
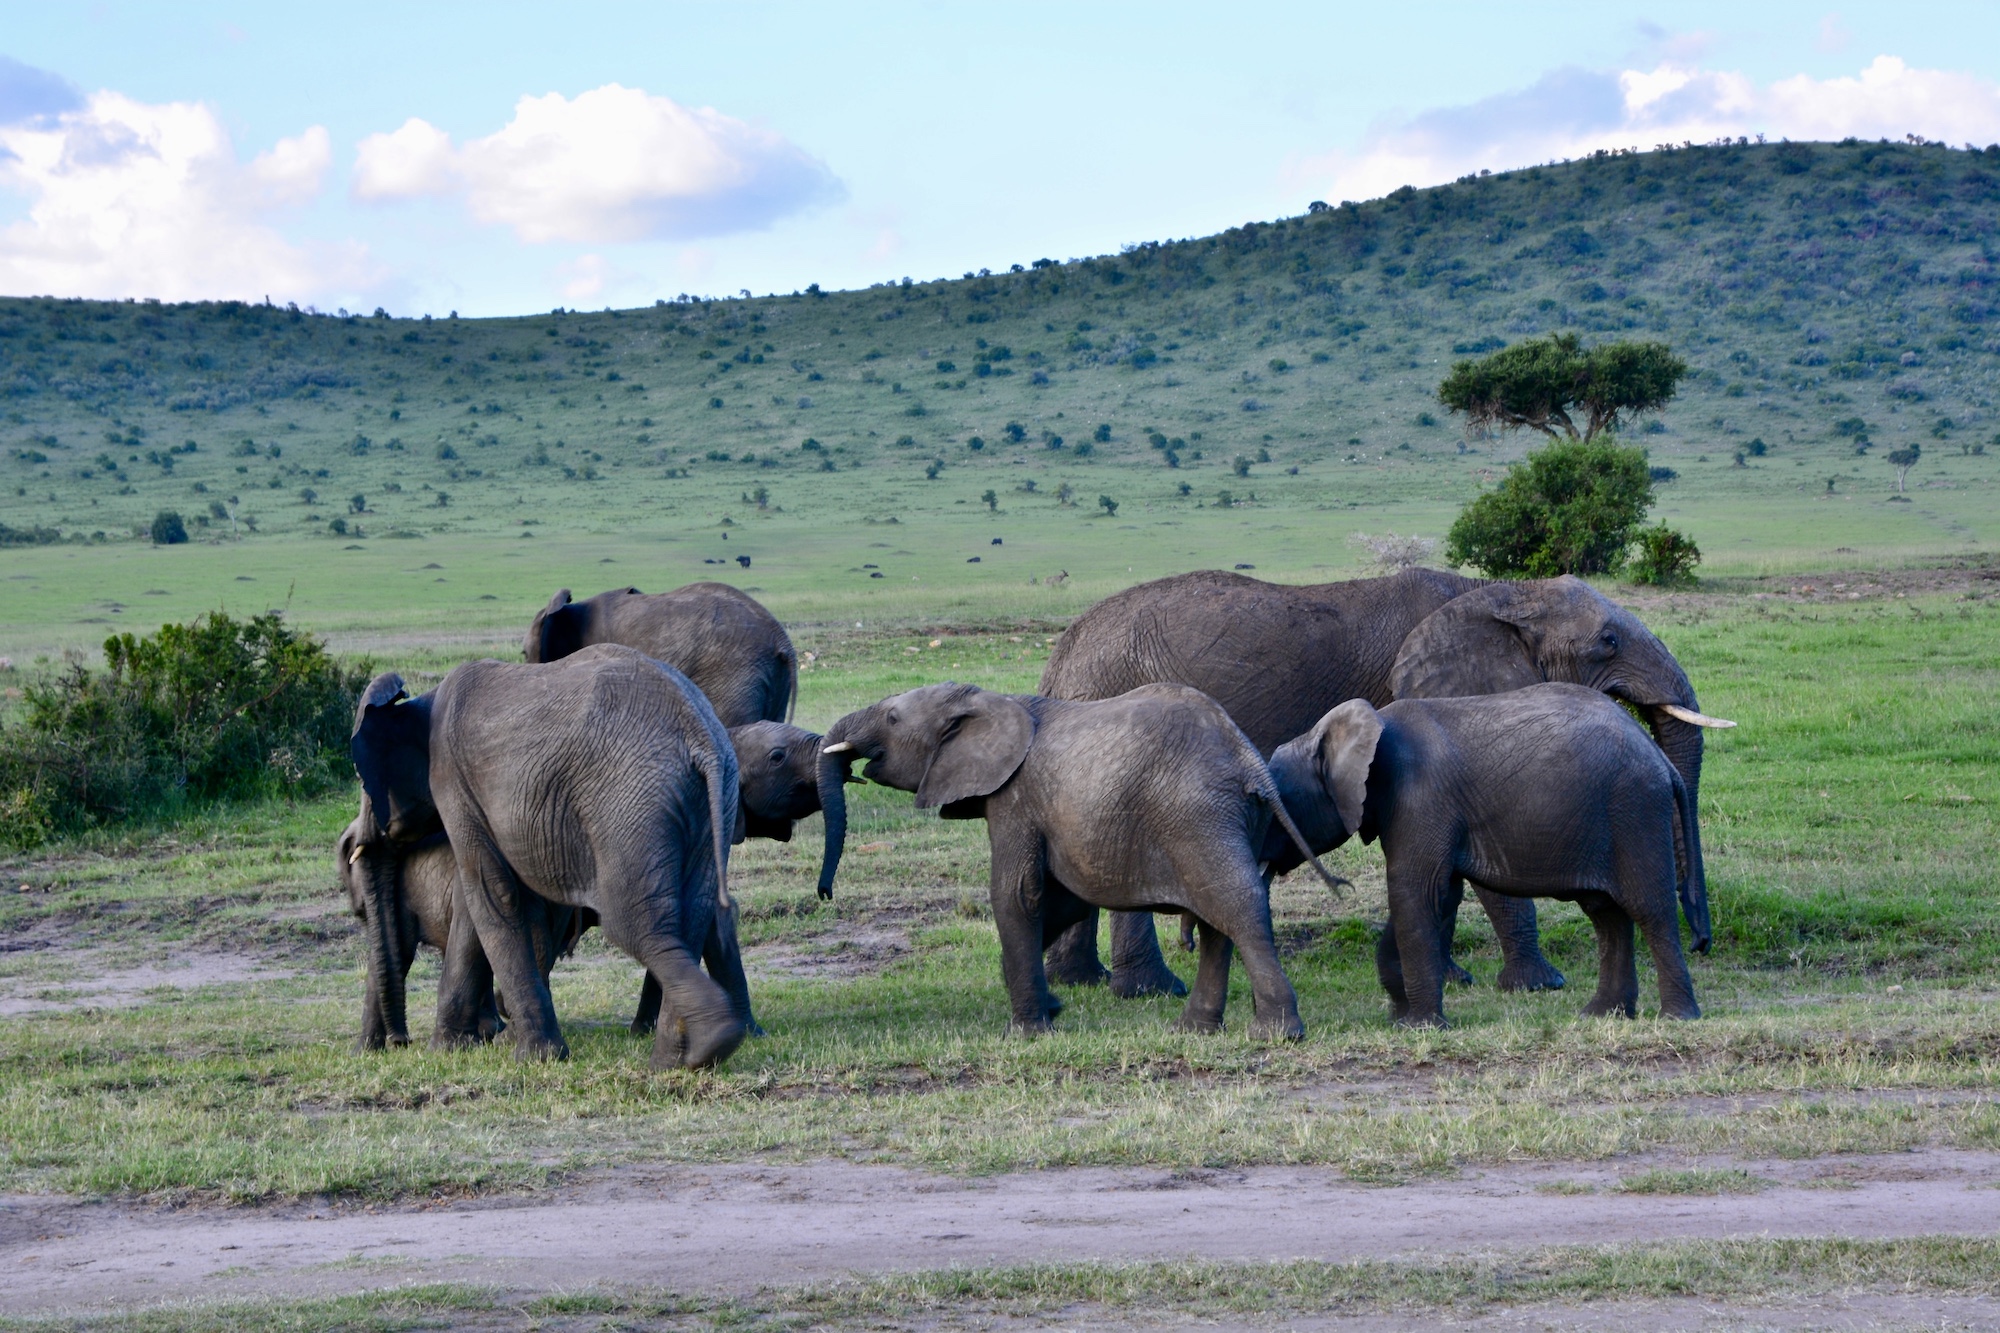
<point x="1152" y="801"/>
<point x="1552" y="791"/>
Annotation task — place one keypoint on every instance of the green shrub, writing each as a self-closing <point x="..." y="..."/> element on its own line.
<point x="1662" y="556"/>
<point x="212" y="710"/>
<point x="1570" y="508"/>
<point x="168" y="529"/>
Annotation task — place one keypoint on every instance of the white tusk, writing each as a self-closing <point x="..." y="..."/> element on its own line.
<point x="354" y="856"/>
<point x="1692" y="718"/>
<point x="838" y="747"/>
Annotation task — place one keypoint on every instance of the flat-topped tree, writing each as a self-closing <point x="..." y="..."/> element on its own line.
<point x="1551" y="384"/>
<point x="1903" y="460"/>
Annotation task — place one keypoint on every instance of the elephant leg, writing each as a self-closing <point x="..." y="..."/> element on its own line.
<point x="1454" y="974"/>
<point x="1071" y="958"/>
<point x="375" y="1034"/>
<point x="1137" y="967"/>
<point x="1017" y="894"/>
<point x="724" y="961"/>
<point x="1422" y="903"/>
<point x="498" y="905"/>
<point x="1248" y="921"/>
<point x="1211" y="982"/>
<point x="1617" y="965"/>
<point x="468" y="1008"/>
<point x="1522" y="965"/>
<point x="648" y="1016"/>
<point x="1658" y="922"/>
<point x="1389" y="971"/>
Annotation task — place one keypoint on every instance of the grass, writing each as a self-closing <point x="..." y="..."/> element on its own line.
<point x="1755" y="1272"/>
<point x="1850" y="824"/>
<point x="563" y="441"/>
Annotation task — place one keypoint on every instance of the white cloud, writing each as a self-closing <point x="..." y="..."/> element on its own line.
<point x="615" y="164"/>
<point x="1569" y="112"/>
<point x="135" y="199"/>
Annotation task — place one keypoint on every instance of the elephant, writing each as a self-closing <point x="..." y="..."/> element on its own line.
<point x="723" y="640"/>
<point x="779" y="771"/>
<point x="425" y="873"/>
<point x="604" y="782"/>
<point x="1606" y="822"/>
<point x="1153" y="801"/>
<point x="1277" y="657"/>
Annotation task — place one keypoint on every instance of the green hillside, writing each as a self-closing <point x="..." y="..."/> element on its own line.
<point x="1823" y="293"/>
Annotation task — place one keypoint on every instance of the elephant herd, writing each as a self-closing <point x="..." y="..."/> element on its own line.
<point x="1192" y="738"/>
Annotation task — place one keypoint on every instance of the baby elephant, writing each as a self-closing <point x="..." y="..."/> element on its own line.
<point x="1552" y="791"/>
<point x="1153" y="801"/>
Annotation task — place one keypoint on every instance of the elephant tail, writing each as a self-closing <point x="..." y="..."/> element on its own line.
<point x="790" y="657"/>
<point x="1267" y="791"/>
<point x="723" y="808"/>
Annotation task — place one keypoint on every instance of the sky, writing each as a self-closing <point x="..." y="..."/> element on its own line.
<point x="503" y="158"/>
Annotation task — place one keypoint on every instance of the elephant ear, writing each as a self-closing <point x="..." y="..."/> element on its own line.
<point x="1345" y="741"/>
<point x="551" y="635"/>
<point x="1478" y="643"/>
<point x="985" y="738"/>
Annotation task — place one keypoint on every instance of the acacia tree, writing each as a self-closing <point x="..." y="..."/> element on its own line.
<point x="1903" y="460"/>
<point x="1555" y="386"/>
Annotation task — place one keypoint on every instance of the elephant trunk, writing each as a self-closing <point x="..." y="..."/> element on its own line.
<point x="832" y="781"/>
<point x="390" y="1025"/>
<point x="1682" y="744"/>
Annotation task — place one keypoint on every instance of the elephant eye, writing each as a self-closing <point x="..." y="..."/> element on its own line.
<point x="1609" y="640"/>
<point x="777" y="756"/>
<point x="893" y="717"/>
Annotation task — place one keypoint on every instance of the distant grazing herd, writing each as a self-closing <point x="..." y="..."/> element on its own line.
<point x="1192" y="738"/>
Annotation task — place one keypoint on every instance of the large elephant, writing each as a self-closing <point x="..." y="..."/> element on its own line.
<point x="1153" y="801"/>
<point x="603" y="782"/>
<point x="1606" y="822"/>
<point x="1277" y="657"/>
<point x="780" y="775"/>
<point x="723" y="640"/>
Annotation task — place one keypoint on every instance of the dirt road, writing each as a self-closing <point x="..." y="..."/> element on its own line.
<point x="732" y="1229"/>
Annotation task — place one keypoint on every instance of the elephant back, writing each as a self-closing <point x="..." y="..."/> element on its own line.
<point x="722" y="639"/>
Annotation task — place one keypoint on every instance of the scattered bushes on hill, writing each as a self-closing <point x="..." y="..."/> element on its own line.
<point x="216" y="709"/>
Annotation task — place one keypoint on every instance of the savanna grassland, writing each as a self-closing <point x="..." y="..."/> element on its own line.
<point x="178" y="1003"/>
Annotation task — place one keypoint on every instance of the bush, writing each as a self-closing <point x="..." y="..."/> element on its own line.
<point x="1569" y="509"/>
<point x="168" y="530"/>
<point x="216" y="709"/>
<point x="1662" y="556"/>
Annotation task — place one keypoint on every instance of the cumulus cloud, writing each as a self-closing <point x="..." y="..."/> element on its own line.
<point x="128" y="198"/>
<point x="1569" y="112"/>
<point x="614" y="164"/>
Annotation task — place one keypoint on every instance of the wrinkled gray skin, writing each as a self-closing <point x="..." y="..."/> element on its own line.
<point x="723" y="640"/>
<point x="1153" y="801"/>
<point x="425" y="874"/>
<point x="601" y="782"/>
<point x="1605" y="823"/>
<point x="1278" y="657"/>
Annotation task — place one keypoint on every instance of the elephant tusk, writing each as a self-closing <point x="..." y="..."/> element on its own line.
<point x="1692" y="718"/>
<point x="838" y="747"/>
<point x="354" y="856"/>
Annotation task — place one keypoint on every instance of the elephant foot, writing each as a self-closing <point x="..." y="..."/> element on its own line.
<point x="1288" y="1028"/>
<point x="1130" y="983"/>
<point x="528" y="1050"/>
<point x="1030" y="1027"/>
<point x="1204" y="1023"/>
<point x="1067" y="969"/>
<point x="1681" y="1012"/>
<point x="754" y="1029"/>
<point x="1603" y="1008"/>
<point x="1409" y="1019"/>
<point x="1536" y="973"/>
<point x="643" y="1026"/>
<point x="448" y="1040"/>
<point x="1456" y="975"/>
<point x="699" y="1043"/>
<point x="376" y="1041"/>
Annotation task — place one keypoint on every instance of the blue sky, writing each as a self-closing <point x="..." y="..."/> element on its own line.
<point x="502" y="158"/>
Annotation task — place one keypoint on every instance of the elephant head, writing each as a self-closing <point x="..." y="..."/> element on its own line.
<point x="391" y="751"/>
<point x="1505" y="635"/>
<point x="556" y="631"/>
<point x="951" y="744"/>
<point x="783" y="777"/>
<point x="1323" y="775"/>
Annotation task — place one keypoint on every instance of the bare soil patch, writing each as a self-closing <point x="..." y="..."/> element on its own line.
<point x="737" y="1228"/>
<point x="71" y="979"/>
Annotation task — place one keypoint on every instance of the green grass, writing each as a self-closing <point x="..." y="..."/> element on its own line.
<point x="1749" y="1272"/>
<point x="1364" y="308"/>
<point x="886" y="1009"/>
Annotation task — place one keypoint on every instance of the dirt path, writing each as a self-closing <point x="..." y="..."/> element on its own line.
<point x="735" y="1228"/>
